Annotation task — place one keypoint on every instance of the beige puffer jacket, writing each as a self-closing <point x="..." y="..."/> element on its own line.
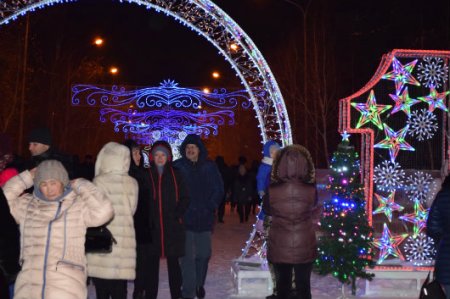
<point x="53" y="236"/>
<point x="111" y="176"/>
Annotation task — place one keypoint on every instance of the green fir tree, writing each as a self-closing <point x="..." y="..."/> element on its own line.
<point x="344" y="246"/>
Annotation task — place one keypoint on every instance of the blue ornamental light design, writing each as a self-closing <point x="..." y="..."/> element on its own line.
<point x="167" y="112"/>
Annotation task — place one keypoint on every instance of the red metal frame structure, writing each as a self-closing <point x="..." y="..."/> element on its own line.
<point x="347" y="123"/>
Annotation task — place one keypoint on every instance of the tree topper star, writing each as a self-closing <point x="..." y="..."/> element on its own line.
<point x="403" y="102"/>
<point x="401" y="74"/>
<point x="419" y="218"/>
<point x="370" y="111"/>
<point x="387" y="205"/>
<point x="388" y="245"/>
<point x="435" y="99"/>
<point x="394" y="141"/>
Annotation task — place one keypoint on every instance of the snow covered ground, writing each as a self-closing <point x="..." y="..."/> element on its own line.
<point x="228" y="240"/>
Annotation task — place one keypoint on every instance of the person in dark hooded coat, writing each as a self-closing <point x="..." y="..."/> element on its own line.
<point x="143" y="221"/>
<point x="292" y="203"/>
<point x="170" y="200"/>
<point x="205" y="187"/>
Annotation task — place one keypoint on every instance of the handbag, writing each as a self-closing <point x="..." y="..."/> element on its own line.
<point x="431" y="289"/>
<point x="99" y="240"/>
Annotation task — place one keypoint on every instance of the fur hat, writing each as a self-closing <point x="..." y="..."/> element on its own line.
<point x="164" y="147"/>
<point x="50" y="169"/>
<point x="40" y="135"/>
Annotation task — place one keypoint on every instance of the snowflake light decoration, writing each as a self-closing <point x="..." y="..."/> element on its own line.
<point x="422" y="124"/>
<point x="419" y="186"/>
<point x="388" y="176"/>
<point x="419" y="249"/>
<point x="432" y="71"/>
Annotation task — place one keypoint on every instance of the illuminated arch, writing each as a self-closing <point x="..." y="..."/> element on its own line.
<point x="209" y="21"/>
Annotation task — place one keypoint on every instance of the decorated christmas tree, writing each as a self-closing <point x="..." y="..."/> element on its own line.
<point x="344" y="247"/>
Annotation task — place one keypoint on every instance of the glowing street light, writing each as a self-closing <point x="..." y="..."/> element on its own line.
<point x="234" y="47"/>
<point x="206" y="90"/>
<point x="114" y="70"/>
<point x="98" y="41"/>
<point x="216" y="75"/>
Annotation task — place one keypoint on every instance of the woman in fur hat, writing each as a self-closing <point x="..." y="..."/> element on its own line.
<point x="53" y="222"/>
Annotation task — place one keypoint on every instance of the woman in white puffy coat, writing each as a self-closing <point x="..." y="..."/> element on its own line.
<point x="111" y="271"/>
<point x="53" y="222"/>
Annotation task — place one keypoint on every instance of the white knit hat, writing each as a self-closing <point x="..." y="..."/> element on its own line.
<point x="50" y="169"/>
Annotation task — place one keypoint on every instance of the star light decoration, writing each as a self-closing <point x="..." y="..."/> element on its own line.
<point x="435" y="99"/>
<point x="403" y="102"/>
<point x="388" y="244"/>
<point x="401" y="74"/>
<point x="394" y="142"/>
<point x="419" y="218"/>
<point x="370" y="111"/>
<point x="387" y="205"/>
<point x="345" y="136"/>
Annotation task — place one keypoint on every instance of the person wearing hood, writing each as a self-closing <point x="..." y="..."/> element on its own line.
<point x="41" y="148"/>
<point x="53" y="222"/>
<point x="170" y="200"/>
<point x="292" y="204"/>
<point x="143" y="221"/>
<point x="111" y="271"/>
<point x="205" y="187"/>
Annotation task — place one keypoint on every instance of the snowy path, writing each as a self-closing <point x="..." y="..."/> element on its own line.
<point x="228" y="240"/>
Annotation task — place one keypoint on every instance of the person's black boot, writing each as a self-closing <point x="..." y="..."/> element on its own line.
<point x="201" y="293"/>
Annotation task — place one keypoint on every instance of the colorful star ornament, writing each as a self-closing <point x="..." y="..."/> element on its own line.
<point x="388" y="245"/>
<point x="370" y="111"/>
<point x="435" y="99"/>
<point x="387" y="205"/>
<point x="401" y="74"/>
<point x="419" y="218"/>
<point x="345" y="136"/>
<point x="394" y="142"/>
<point x="403" y="102"/>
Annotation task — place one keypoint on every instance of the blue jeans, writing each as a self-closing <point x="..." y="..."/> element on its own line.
<point x="194" y="264"/>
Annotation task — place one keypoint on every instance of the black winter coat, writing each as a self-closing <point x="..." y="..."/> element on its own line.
<point x="143" y="218"/>
<point x="9" y="241"/>
<point x="170" y="200"/>
<point x="438" y="227"/>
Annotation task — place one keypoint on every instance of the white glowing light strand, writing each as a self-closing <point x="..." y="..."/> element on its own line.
<point x="420" y="248"/>
<point x="422" y="124"/>
<point x="432" y="71"/>
<point x="418" y="186"/>
<point x="388" y="176"/>
<point x="209" y="21"/>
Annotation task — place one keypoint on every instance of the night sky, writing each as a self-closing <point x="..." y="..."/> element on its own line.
<point x="149" y="47"/>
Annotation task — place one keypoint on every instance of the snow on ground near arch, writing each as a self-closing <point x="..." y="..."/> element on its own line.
<point x="228" y="240"/>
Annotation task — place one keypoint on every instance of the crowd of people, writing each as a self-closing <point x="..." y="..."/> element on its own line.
<point x="164" y="209"/>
